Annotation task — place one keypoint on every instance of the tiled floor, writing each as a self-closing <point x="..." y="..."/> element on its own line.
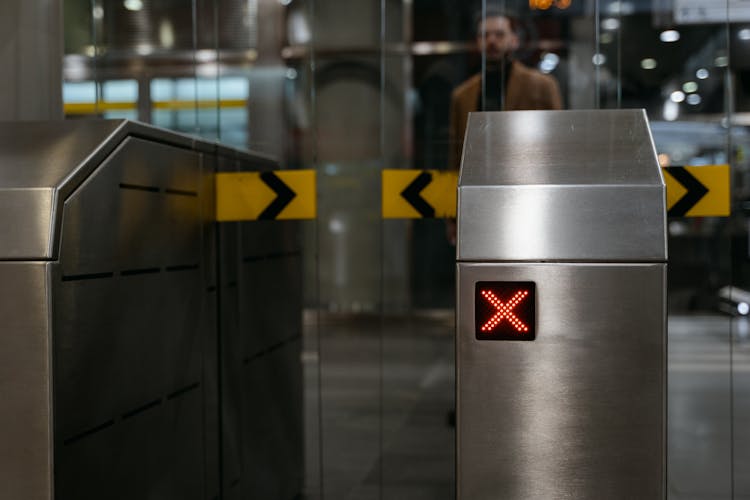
<point x="380" y="427"/>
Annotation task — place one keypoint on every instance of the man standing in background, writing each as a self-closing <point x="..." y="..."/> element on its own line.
<point x="508" y="84"/>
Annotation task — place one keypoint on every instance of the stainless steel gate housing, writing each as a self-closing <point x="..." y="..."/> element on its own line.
<point x="573" y="202"/>
<point x="134" y="363"/>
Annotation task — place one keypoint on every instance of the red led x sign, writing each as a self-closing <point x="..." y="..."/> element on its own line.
<point x="505" y="310"/>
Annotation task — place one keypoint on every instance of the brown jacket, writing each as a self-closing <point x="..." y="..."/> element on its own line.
<point x="527" y="89"/>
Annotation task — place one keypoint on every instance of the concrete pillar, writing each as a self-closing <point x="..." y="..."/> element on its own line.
<point x="31" y="53"/>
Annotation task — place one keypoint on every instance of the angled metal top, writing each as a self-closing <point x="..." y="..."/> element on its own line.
<point x="560" y="185"/>
<point x="559" y="147"/>
<point x="26" y="146"/>
<point x="42" y="163"/>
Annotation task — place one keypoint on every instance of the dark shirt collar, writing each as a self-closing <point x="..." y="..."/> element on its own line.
<point x="495" y="83"/>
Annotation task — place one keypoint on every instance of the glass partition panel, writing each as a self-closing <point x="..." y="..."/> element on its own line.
<point x="677" y="71"/>
<point x="352" y="88"/>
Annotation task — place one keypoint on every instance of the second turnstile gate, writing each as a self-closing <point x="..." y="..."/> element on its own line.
<point x="561" y="308"/>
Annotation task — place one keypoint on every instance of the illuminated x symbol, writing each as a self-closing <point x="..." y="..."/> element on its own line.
<point x="505" y="311"/>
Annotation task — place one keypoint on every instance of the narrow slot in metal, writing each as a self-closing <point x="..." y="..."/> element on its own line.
<point x="270" y="256"/>
<point x="180" y="392"/>
<point x="136" y="187"/>
<point x="141" y="409"/>
<point x="269" y="350"/>
<point x="89" y="432"/>
<point x="188" y="267"/>
<point x="180" y="192"/>
<point x="90" y="276"/>
<point x="133" y="272"/>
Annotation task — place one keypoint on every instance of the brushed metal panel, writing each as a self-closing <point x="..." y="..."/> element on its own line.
<point x="139" y="210"/>
<point x="123" y="341"/>
<point x="602" y="223"/>
<point x="529" y="189"/>
<point x="572" y="147"/>
<point x="26" y="219"/>
<point x="272" y="406"/>
<point x="210" y="327"/>
<point x="25" y="382"/>
<point x="42" y="157"/>
<point x="43" y="154"/>
<point x="232" y="424"/>
<point x="270" y="302"/>
<point x="39" y="164"/>
<point x="579" y="412"/>
<point x="157" y="453"/>
<point x="263" y="238"/>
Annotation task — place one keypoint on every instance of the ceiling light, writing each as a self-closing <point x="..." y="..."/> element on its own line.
<point x="610" y="24"/>
<point x="689" y="87"/>
<point x="744" y="34"/>
<point x="144" y="49"/>
<point x="677" y="96"/>
<point x="669" y="36"/>
<point x="166" y="34"/>
<point x="671" y="111"/>
<point x="599" y="59"/>
<point x="97" y="12"/>
<point x="552" y="58"/>
<point x="205" y="55"/>
<point x="694" y="99"/>
<point x="618" y="7"/>
<point x="133" y="5"/>
<point x="701" y="74"/>
<point x="721" y="62"/>
<point x="648" y="63"/>
<point x="606" y="38"/>
<point x="549" y="62"/>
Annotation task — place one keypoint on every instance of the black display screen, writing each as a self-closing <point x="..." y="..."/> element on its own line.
<point x="505" y="310"/>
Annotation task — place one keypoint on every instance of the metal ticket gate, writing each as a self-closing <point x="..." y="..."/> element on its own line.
<point x="561" y="322"/>
<point x="145" y="352"/>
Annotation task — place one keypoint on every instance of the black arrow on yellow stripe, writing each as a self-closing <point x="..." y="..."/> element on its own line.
<point x="695" y="191"/>
<point x="284" y="196"/>
<point x="413" y="195"/>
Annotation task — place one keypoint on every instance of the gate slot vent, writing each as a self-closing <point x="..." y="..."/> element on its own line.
<point x="150" y="189"/>
<point x="93" y="430"/>
<point x="89" y="276"/>
<point x="270" y="256"/>
<point x="180" y="192"/>
<point x="180" y="392"/>
<point x="132" y="413"/>
<point x="188" y="267"/>
<point x="269" y="350"/>
<point x="133" y="272"/>
<point x="141" y="409"/>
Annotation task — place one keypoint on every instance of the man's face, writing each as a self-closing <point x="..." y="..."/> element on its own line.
<point x="496" y="38"/>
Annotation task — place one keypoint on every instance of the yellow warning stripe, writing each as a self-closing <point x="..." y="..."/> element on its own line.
<point x="90" y="108"/>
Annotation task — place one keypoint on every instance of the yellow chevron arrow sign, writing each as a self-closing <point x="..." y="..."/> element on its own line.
<point x="270" y="195"/>
<point x="415" y="194"/>
<point x="697" y="191"/>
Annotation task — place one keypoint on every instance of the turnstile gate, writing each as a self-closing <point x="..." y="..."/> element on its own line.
<point x="561" y="322"/>
<point x="145" y="352"/>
